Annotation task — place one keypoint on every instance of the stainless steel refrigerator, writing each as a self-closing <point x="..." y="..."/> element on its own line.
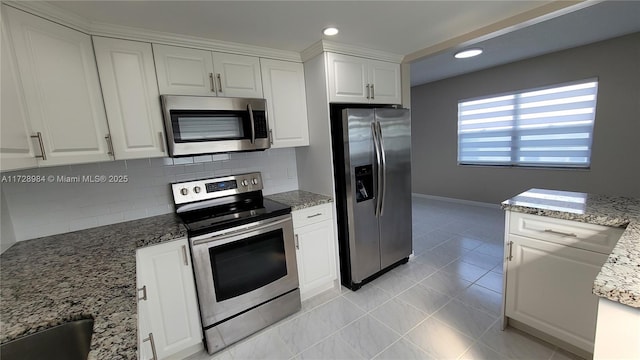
<point x="372" y="166"/>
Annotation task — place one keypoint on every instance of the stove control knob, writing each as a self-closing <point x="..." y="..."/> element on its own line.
<point x="245" y="182"/>
<point x="184" y="191"/>
<point x="197" y="189"/>
<point x="254" y="181"/>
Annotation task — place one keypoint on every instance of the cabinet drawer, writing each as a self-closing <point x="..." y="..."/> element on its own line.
<point x="311" y="215"/>
<point x="580" y="235"/>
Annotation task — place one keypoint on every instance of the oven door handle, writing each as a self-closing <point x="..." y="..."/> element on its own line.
<point x="228" y="233"/>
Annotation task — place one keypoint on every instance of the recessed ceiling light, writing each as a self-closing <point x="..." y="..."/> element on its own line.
<point x="468" y="53"/>
<point x="330" y="31"/>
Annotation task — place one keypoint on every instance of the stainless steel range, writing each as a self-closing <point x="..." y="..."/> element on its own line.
<point x="243" y="253"/>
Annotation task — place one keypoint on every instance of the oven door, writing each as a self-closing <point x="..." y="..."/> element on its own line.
<point x="239" y="268"/>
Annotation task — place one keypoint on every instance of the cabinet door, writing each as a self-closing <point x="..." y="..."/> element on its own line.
<point x="62" y="92"/>
<point x="16" y="150"/>
<point x="171" y="303"/>
<point x="131" y="97"/>
<point x="549" y="288"/>
<point x="183" y="71"/>
<point x="348" y="79"/>
<point x="316" y="258"/>
<point x="284" y="89"/>
<point x="237" y="75"/>
<point x="144" y="327"/>
<point x="384" y="78"/>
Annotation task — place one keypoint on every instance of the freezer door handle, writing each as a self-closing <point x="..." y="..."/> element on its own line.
<point x="383" y="168"/>
<point x="376" y="150"/>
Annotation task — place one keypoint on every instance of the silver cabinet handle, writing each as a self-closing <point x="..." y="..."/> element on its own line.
<point x="184" y="255"/>
<point x="109" y="145"/>
<point x="153" y="346"/>
<point x="560" y="233"/>
<point x="253" y="124"/>
<point x="314" y="215"/>
<point x="219" y="82"/>
<point x="368" y="91"/>
<point x="297" y="242"/>
<point x="211" y="83"/>
<point x="373" y="93"/>
<point x="144" y="293"/>
<point x="270" y="136"/>
<point x="41" y="143"/>
<point x="161" y="137"/>
<point x="510" y="257"/>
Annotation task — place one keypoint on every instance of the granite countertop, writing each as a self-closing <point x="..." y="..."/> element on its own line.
<point x="299" y="199"/>
<point x="619" y="278"/>
<point x="84" y="274"/>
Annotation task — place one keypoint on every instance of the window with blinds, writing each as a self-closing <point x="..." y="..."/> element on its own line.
<point x="549" y="127"/>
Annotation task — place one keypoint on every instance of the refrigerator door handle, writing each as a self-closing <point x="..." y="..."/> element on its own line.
<point x="383" y="169"/>
<point x="376" y="149"/>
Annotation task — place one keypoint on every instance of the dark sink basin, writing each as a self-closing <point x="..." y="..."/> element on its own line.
<point x="68" y="341"/>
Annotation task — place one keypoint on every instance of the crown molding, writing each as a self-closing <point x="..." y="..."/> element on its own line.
<point x="334" y="47"/>
<point x="66" y="18"/>
<point x="53" y="13"/>
<point x="158" y="37"/>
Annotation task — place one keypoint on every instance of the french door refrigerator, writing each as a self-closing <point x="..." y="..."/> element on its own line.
<point x="372" y="167"/>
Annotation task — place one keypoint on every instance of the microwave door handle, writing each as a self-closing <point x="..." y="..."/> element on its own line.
<point x="253" y="124"/>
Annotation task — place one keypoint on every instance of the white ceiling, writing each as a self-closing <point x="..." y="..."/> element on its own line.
<point x="400" y="27"/>
<point x="600" y="21"/>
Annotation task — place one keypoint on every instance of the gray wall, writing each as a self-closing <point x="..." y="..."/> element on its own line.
<point x="615" y="159"/>
<point x="7" y="236"/>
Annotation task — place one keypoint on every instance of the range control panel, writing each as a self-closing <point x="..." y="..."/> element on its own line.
<point x="204" y="189"/>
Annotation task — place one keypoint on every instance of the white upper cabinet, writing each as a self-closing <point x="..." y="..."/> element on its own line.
<point x="237" y="75"/>
<point x="128" y="78"/>
<point x="16" y="151"/>
<point x="357" y="80"/>
<point x="58" y="72"/>
<point x="348" y="79"/>
<point x="284" y="89"/>
<point x="184" y="71"/>
<point x="385" y="82"/>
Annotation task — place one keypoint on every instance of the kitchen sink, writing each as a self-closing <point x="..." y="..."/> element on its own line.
<point x="68" y="341"/>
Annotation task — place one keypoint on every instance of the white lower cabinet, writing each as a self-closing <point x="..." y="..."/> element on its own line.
<point x="315" y="249"/>
<point x="168" y="317"/>
<point x="549" y="279"/>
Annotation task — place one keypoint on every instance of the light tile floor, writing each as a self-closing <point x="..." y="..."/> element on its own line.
<point x="444" y="304"/>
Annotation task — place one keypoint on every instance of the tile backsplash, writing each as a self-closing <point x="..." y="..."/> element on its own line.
<point x="55" y="206"/>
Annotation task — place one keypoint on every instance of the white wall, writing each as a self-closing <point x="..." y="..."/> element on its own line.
<point x="42" y="209"/>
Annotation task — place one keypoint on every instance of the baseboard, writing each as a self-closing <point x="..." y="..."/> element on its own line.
<point x="457" y="201"/>
<point x="550" y="339"/>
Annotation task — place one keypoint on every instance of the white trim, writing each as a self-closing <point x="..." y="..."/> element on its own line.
<point x="457" y="201"/>
<point x="63" y="17"/>
<point x="353" y="50"/>
<point x="52" y="13"/>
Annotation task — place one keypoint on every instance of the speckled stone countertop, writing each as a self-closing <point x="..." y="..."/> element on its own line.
<point x="619" y="278"/>
<point x="299" y="199"/>
<point x="84" y="274"/>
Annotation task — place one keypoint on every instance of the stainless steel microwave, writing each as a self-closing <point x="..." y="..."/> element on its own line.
<point x="205" y="125"/>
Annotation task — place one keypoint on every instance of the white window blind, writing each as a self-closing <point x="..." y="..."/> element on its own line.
<point x="550" y="127"/>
